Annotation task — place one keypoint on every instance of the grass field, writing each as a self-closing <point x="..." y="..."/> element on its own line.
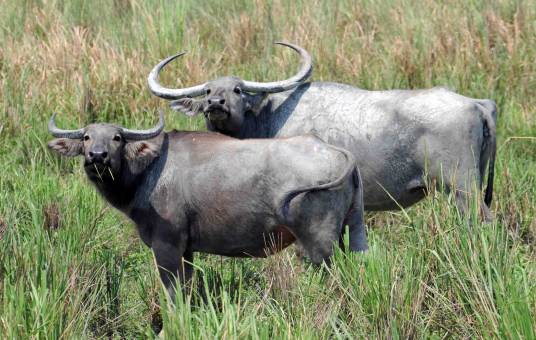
<point x="72" y="267"/>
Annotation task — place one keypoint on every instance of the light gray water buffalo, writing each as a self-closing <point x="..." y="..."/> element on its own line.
<point x="397" y="136"/>
<point x="207" y="192"/>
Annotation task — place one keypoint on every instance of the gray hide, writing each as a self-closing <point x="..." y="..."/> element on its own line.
<point x="397" y="136"/>
<point x="206" y="192"/>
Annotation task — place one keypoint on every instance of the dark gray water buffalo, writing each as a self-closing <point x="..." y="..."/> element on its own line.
<point x="199" y="191"/>
<point x="397" y="136"/>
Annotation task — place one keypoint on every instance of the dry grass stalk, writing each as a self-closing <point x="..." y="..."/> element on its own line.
<point x="282" y="273"/>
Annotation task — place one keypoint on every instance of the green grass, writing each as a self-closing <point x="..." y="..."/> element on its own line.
<point x="72" y="267"/>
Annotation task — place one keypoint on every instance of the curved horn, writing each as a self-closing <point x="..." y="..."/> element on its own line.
<point x="59" y="133"/>
<point x="145" y="134"/>
<point x="283" y="85"/>
<point x="165" y="93"/>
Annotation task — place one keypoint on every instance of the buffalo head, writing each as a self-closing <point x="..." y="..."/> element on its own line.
<point x="225" y="101"/>
<point x="105" y="146"/>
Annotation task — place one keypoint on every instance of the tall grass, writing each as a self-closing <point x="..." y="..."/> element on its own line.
<point x="71" y="267"/>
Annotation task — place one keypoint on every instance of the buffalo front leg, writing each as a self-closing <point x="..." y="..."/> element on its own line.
<point x="174" y="261"/>
<point x="358" y="233"/>
<point x="355" y="219"/>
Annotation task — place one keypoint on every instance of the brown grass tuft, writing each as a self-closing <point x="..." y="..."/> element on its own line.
<point x="282" y="274"/>
<point x="154" y="312"/>
<point x="52" y="216"/>
<point x="3" y="227"/>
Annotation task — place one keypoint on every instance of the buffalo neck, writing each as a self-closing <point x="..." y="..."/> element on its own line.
<point x="272" y="114"/>
<point x="118" y="190"/>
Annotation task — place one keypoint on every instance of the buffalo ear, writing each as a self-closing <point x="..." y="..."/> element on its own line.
<point x="140" y="154"/>
<point x="141" y="149"/>
<point x="254" y="103"/>
<point x="66" y="147"/>
<point x="188" y="106"/>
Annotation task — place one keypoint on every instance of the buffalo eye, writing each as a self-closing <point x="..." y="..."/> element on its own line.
<point x="237" y="90"/>
<point x="117" y="138"/>
<point x="86" y="137"/>
<point x="208" y="91"/>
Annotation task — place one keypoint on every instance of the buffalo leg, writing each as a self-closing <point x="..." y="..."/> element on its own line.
<point x="318" y="237"/>
<point x="318" y="222"/>
<point x="355" y="220"/>
<point x="174" y="262"/>
<point x="319" y="248"/>
<point x="463" y="188"/>
<point x="358" y="233"/>
<point x="463" y="201"/>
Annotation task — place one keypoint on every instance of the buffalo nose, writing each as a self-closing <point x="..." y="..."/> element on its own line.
<point x="98" y="156"/>
<point x="216" y="100"/>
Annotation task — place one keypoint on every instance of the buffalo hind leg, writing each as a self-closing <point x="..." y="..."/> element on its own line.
<point x="318" y="239"/>
<point x="463" y="200"/>
<point x="463" y="189"/>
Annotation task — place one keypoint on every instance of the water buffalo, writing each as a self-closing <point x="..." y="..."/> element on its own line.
<point x="207" y="192"/>
<point x="397" y="136"/>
